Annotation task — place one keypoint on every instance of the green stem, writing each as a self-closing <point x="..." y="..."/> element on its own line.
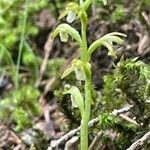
<point x="87" y="87"/>
<point x="21" y="42"/>
<point x="87" y="111"/>
<point x="84" y="133"/>
<point x="83" y="49"/>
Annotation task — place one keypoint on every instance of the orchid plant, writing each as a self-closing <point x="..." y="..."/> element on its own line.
<point x="82" y="66"/>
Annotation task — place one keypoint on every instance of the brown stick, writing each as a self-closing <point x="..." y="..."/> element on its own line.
<point x="140" y="141"/>
<point x="48" y="47"/>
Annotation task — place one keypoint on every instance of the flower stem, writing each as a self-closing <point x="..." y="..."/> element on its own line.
<point x="83" y="48"/>
<point x="87" y="87"/>
<point x="86" y="114"/>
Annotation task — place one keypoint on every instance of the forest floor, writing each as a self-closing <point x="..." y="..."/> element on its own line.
<point x="53" y="120"/>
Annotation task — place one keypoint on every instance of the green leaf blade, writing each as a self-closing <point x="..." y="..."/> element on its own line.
<point x="76" y="98"/>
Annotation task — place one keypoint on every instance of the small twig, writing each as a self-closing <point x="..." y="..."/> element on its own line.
<point x="47" y="88"/>
<point x="55" y="143"/>
<point x="120" y="111"/>
<point x="127" y="118"/>
<point x="48" y="85"/>
<point x="140" y="141"/>
<point x="70" y="143"/>
<point x="144" y="42"/>
<point x="67" y="136"/>
<point x="96" y="139"/>
<point x="48" y="47"/>
<point x="146" y="18"/>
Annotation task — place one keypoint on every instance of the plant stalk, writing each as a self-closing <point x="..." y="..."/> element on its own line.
<point x="21" y="42"/>
<point x="83" y="48"/>
<point x="86" y="115"/>
<point x="87" y="86"/>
